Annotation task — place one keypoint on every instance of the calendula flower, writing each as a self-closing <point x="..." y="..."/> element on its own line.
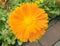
<point x="28" y="22"/>
<point x="58" y="0"/>
<point x="39" y="1"/>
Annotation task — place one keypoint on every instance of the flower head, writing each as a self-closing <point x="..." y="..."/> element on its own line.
<point x="28" y="22"/>
<point x="39" y="1"/>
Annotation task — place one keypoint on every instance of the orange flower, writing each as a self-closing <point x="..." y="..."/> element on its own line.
<point x="28" y="22"/>
<point x="58" y="0"/>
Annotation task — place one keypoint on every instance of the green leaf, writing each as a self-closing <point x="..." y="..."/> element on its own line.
<point x="4" y="44"/>
<point x="19" y="43"/>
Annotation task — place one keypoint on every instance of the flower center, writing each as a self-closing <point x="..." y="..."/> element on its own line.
<point x="28" y="20"/>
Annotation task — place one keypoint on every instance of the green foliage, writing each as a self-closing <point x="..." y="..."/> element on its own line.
<point x="51" y="7"/>
<point x="6" y="37"/>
